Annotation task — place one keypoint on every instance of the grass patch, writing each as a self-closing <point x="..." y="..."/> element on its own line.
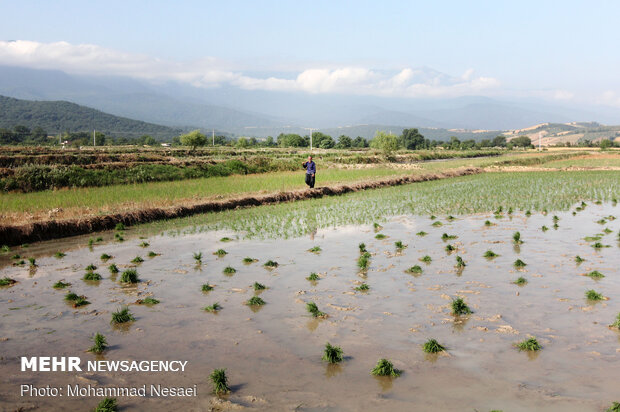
<point x="213" y="308"/>
<point x="220" y="253"/>
<point x="521" y="281"/>
<point x="219" y="380"/>
<point x="432" y="346"/>
<point x="255" y="301"/>
<point x="99" y="344"/>
<point x="385" y="368"/>
<point x="107" y="405"/>
<point x="147" y="301"/>
<point x="92" y="276"/>
<point x="314" y="310"/>
<point x="530" y="344"/>
<point x="130" y="276"/>
<point x="6" y="281"/>
<point x="519" y="264"/>
<point x="229" y="270"/>
<point x="259" y="286"/>
<point x="271" y="264"/>
<point x="415" y="269"/>
<point x="593" y="295"/>
<point x="489" y="254"/>
<point x="426" y="259"/>
<point x="332" y="354"/>
<point x="363" y="287"/>
<point x="313" y="277"/>
<point x="459" y="307"/>
<point x="58" y="285"/>
<point x="59" y="255"/>
<point x="122" y="315"/>
<point x="315" y="249"/>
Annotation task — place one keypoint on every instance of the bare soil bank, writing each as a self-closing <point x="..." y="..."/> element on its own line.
<point x="53" y="229"/>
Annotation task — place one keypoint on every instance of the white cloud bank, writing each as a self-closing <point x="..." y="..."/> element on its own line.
<point x="211" y="72"/>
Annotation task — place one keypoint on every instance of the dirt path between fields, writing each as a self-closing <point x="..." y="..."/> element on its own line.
<point x="52" y="229"/>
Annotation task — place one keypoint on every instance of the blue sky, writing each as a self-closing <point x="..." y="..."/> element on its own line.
<point x="549" y="49"/>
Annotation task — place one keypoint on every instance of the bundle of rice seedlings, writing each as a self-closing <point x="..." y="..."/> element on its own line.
<point x="219" y="381"/>
<point x="489" y="254"/>
<point x="377" y="227"/>
<point x="593" y="295"/>
<point x="460" y="263"/>
<point x="437" y="224"/>
<point x="152" y="254"/>
<point x="229" y="270"/>
<point x="544" y="228"/>
<point x="137" y="259"/>
<point x="579" y="259"/>
<point x="616" y="324"/>
<point x="421" y="233"/>
<point x="99" y="344"/>
<point x="76" y="300"/>
<point x="59" y="285"/>
<point x="92" y="276"/>
<point x="363" y="261"/>
<point x="362" y="247"/>
<point x="459" y="307"/>
<point x="32" y="261"/>
<point x="122" y="315"/>
<point x="446" y="236"/>
<point x="399" y="245"/>
<point x="313" y="277"/>
<point x="516" y="238"/>
<point x="519" y="263"/>
<point x="248" y="260"/>
<point x="315" y="249"/>
<point x="113" y="268"/>
<point x="528" y="213"/>
<point x="488" y="223"/>
<point x="129" y="276"/>
<point x="595" y="274"/>
<point x="314" y="310"/>
<point x="107" y="405"/>
<point x="91" y="267"/>
<point x="449" y="248"/>
<point x="380" y="236"/>
<point x="6" y="281"/>
<point x="207" y="287"/>
<point x="615" y="407"/>
<point x="415" y="269"/>
<point x="5" y="249"/>
<point x="426" y="259"/>
<point x="450" y="218"/>
<point x="213" y="308"/>
<point x="385" y="368"/>
<point x="220" y="253"/>
<point x="520" y="281"/>
<point x="105" y="256"/>
<point x="530" y="344"/>
<point x="147" y="301"/>
<point x="259" y="286"/>
<point x="119" y="226"/>
<point x="432" y="346"/>
<point x="270" y="264"/>
<point x="144" y="244"/>
<point x="255" y="301"/>
<point x="332" y="354"/>
<point x="197" y="257"/>
<point x="363" y="287"/>
<point x="60" y="255"/>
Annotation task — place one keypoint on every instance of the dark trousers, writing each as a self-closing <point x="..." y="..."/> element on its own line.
<point x="310" y="180"/>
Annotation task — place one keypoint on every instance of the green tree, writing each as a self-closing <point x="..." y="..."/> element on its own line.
<point x="411" y="139"/>
<point x="327" y="142"/>
<point x="193" y="139"/>
<point x="359" y="141"/>
<point x="344" y="142"/>
<point x="499" y="141"/>
<point x="605" y="144"/>
<point x="387" y="143"/>
<point x="522" y="141"/>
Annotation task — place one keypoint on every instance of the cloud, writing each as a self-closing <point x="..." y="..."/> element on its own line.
<point x="212" y="72"/>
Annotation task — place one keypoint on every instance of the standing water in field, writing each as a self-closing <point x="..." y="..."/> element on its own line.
<point x="271" y="346"/>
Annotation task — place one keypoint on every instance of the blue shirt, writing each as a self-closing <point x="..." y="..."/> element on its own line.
<point x="310" y="167"/>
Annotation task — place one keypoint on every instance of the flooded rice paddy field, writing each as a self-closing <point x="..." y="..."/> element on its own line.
<point x="272" y="354"/>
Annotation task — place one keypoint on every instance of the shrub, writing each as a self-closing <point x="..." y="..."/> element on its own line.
<point x="129" y="276"/>
<point x="432" y="346"/>
<point x="385" y="368"/>
<point x="219" y="381"/>
<point x="332" y="354"/>
<point x="459" y="307"/>
<point x="99" y="344"/>
<point x="530" y="344"/>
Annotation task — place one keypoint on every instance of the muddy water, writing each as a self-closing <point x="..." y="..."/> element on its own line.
<point x="273" y="354"/>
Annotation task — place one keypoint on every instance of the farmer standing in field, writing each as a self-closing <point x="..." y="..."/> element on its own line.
<point x="310" y="171"/>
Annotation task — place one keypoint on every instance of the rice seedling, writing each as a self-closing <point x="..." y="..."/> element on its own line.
<point x="399" y="245"/>
<point x="592" y="238"/>
<point x="58" y="285"/>
<point x="16" y="256"/>
<point x="601" y="222"/>
<point x="259" y="286"/>
<point x="421" y="233"/>
<point x="528" y="213"/>
<point x="99" y="239"/>
<point x="460" y="263"/>
<point x="99" y="344"/>
<point x="144" y="244"/>
<point x="105" y="256"/>
<point x="76" y="300"/>
<point x="119" y="226"/>
<point x="446" y="237"/>
<point x="437" y="223"/>
<point x="556" y="226"/>
<point x="450" y="218"/>
<point x="380" y="236"/>
<point x="459" y="307"/>
<point x="362" y="247"/>
<point x="313" y="277"/>
<point x="530" y="344"/>
<point x="59" y="255"/>
<point x="426" y="259"/>
<point x="544" y="228"/>
<point x="595" y="274"/>
<point x="113" y="269"/>
<point x="90" y="267"/>
<point x="147" y="301"/>
<point x="607" y="230"/>
<point x="92" y="276"/>
<point x="107" y="405"/>
<point x="488" y="223"/>
<point x="449" y="248"/>
<point x="432" y="346"/>
<point x="377" y="227"/>
<point x="521" y="281"/>
<point x="152" y="254"/>
<point x="229" y="270"/>
<point x="415" y="269"/>
<point x="593" y="295"/>
<point x="255" y="301"/>
<point x="499" y="210"/>
<point x="314" y="310"/>
<point x="432" y="217"/>
<point x="32" y="261"/>
<point x="5" y="249"/>
<point x="220" y="253"/>
<point x="270" y="264"/>
<point x="129" y="276"/>
<point x="363" y="287"/>
<point x="599" y="245"/>
<point x="70" y="297"/>
<point x="248" y="260"/>
<point x="119" y="237"/>
<point x="363" y="261"/>
<point x="207" y="287"/>
<point x="122" y="315"/>
<point x="516" y="238"/>
<point x="19" y="263"/>
<point x="91" y="242"/>
<point x="213" y="308"/>
<point x="219" y="381"/>
<point x="315" y="249"/>
<point x="385" y="368"/>
<point x="332" y="354"/>
<point x="137" y="260"/>
<point x="615" y="407"/>
<point x="198" y="257"/>
<point x="510" y="211"/>
<point x="225" y="239"/>
<point x="556" y="218"/>
<point x="6" y="281"/>
<point x="519" y="264"/>
<point x="579" y="259"/>
<point x="616" y="324"/>
<point x="489" y="254"/>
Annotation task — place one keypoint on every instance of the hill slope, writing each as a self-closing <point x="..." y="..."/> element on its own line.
<point x="60" y="116"/>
